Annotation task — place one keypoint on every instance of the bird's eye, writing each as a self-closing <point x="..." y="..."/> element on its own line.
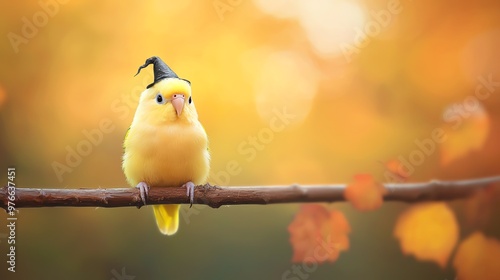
<point x="160" y="99"/>
<point x="190" y="100"/>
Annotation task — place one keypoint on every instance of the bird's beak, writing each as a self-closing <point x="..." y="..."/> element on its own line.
<point x="178" y="103"/>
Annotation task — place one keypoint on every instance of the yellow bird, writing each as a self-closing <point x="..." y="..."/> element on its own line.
<point x="166" y="145"/>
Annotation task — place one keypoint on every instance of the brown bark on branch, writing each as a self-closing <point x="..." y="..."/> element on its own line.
<point x="214" y="196"/>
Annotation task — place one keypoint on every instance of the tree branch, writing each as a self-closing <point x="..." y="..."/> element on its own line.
<point x="214" y="196"/>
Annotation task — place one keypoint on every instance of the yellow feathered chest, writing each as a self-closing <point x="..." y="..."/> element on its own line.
<point x="168" y="155"/>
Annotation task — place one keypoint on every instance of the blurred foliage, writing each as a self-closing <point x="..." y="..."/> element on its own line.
<point x="366" y="82"/>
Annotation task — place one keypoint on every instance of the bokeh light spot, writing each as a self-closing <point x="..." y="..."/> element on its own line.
<point x="285" y="80"/>
<point x="329" y="24"/>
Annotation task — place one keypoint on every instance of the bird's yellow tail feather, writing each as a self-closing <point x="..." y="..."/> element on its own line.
<point x="167" y="218"/>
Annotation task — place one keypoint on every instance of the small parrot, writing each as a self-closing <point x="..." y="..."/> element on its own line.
<point x="166" y="145"/>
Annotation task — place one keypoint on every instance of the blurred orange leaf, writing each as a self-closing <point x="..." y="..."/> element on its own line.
<point x="478" y="257"/>
<point x="3" y="96"/>
<point x="318" y="235"/>
<point x="365" y="193"/>
<point x="397" y="170"/>
<point x="466" y="130"/>
<point x="428" y="231"/>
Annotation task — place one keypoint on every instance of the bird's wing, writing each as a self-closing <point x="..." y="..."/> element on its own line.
<point x="125" y="139"/>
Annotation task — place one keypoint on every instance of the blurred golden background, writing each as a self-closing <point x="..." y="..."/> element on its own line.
<point x="288" y="91"/>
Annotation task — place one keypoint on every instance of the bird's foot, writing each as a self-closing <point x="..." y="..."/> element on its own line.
<point x="144" y="190"/>
<point x="190" y="191"/>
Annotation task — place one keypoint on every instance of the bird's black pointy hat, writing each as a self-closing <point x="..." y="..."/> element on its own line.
<point x="161" y="69"/>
